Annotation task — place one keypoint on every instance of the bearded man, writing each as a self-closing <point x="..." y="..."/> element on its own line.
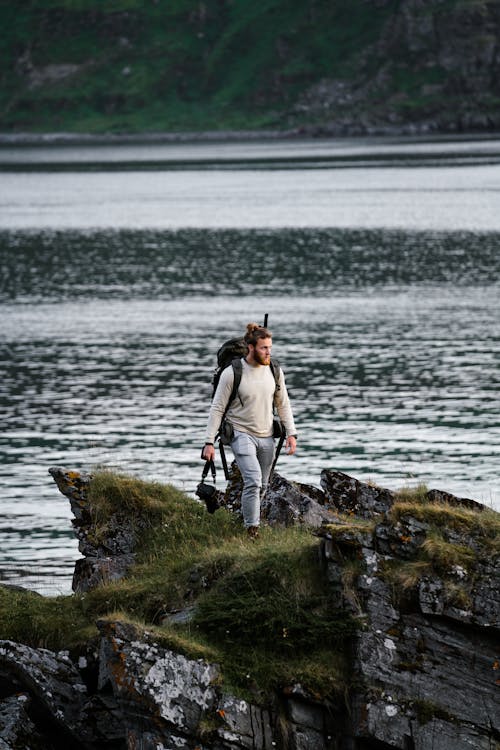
<point x="250" y="415"/>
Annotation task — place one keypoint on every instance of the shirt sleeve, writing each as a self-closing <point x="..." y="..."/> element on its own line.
<point x="284" y="408"/>
<point x="219" y="403"/>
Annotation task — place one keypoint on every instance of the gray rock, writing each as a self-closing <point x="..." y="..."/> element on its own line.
<point x="348" y="495"/>
<point x="111" y="558"/>
<point x="17" y="731"/>
<point x="54" y="686"/>
<point x="286" y="503"/>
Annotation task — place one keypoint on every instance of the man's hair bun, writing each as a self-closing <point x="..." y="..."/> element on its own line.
<point x="256" y="332"/>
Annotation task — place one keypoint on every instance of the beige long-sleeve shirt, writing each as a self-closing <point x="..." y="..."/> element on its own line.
<point x="252" y="409"/>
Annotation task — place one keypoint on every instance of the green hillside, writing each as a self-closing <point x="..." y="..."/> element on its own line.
<point x="161" y="65"/>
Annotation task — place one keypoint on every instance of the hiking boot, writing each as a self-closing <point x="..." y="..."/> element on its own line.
<point x="253" y="532"/>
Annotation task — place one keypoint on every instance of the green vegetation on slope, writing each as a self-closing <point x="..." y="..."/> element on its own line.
<point x="125" y="65"/>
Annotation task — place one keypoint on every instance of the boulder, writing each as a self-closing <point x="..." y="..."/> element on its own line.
<point x="57" y="694"/>
<point x="110" y="558"/>
<point x="17" y="731"/>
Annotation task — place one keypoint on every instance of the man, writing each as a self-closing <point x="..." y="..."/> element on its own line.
<point x="251" y="416"/>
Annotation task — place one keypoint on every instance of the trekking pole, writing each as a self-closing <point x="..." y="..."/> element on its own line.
<point x="265" y="320"/>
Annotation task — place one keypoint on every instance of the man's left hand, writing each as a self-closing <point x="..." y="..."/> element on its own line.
<point x="290" y="445"/>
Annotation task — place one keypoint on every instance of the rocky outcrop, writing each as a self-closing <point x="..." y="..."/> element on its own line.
<point x="425" y="659"/>
<point x="143" y="696"/>
<point x="434" y="67"/>
<point x="105" y="560"/>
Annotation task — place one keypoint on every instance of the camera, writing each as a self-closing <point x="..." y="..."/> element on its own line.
<point x="208" y="494"/>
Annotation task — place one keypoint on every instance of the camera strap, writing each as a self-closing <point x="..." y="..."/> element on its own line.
<point x="209" y="466"/>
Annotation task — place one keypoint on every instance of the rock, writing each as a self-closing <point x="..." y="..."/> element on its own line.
<point x="154" y="686"/>
<point x="423" y="665"/>
<point x="17" y="731"/>
<point x="348" y="495"/>
<point x="108" y="559"/>
<point x="439" y="496"/>
<point x="181" y="704"/>
<point x="286" y="503"/>
<point x="55" y="688"/>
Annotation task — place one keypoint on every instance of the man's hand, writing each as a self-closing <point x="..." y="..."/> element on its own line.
<point x="290" y="445"/>
<point x="208" y="452"/>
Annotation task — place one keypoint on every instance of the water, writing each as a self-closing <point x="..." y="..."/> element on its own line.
<point x="118" y="286"/>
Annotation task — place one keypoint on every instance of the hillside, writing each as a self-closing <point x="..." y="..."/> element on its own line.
<point x="309" y="66"/>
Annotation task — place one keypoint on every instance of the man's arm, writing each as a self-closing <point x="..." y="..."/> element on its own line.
<point x="217" y="409"/>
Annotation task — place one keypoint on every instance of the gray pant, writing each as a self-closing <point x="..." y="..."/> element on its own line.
<point x="254" y="457"/>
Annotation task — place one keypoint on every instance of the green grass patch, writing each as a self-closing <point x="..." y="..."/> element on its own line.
<point x="55" y="623"/>
<point x="416" y="494"/>
<point x="445" y="556"/>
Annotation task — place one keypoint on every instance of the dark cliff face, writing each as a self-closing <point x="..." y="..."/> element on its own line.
<point x="418" y="573"/>
<point x="434" y="67"/>
<point x="357" y="66"/>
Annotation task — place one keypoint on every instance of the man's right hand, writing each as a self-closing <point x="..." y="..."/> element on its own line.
<point x="208" y="452"/>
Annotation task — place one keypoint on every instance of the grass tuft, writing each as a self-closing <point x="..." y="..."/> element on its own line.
<point x="41" y="622"/>
<point x="417" y="494"/>
<point x="483" y="526"/>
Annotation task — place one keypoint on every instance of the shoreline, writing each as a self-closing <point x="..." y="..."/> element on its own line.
<point x="228" y="136"/>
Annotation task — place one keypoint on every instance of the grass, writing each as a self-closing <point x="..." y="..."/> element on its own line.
<point x="54" y="623"/>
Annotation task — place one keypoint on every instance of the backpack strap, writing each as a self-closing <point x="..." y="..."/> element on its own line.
<point x="276" y="371"/>
<point x="237" y="373"/>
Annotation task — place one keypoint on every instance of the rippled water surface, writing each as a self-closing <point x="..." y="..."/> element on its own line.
<point x="389" y="335"/>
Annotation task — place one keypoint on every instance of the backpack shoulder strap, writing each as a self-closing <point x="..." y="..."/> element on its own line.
<point x="237" y="372"/>
<point x="276" y="371"/>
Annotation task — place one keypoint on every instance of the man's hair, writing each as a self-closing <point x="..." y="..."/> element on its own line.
<point x="256" y="332"/>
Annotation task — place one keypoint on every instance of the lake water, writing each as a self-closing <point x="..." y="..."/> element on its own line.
<point x="124" y="267"/>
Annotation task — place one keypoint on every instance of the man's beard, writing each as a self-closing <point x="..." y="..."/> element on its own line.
<point x="261" y="359"/>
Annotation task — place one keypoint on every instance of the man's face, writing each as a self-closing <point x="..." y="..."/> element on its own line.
<point x="262" y="351"/>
